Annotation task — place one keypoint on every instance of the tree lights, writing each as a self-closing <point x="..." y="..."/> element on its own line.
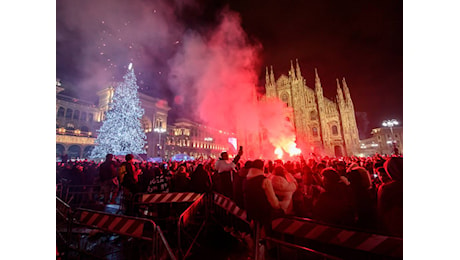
<point x="121" y="131"/>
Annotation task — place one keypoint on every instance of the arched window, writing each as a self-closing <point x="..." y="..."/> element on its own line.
<point x="90" y="117"/>
<point x="76" y="114"/>
<point x="83" y="116"/>
<point x="285" y="98"/>
<point x="313" y="115"/>
<point x="84" y="129"/>
<point x="68" y="113"/>
<point x="61" y="112"/>
<point x="74" y="152"/>
<point x="315" y="131"/>
<point x="335" y="131"/>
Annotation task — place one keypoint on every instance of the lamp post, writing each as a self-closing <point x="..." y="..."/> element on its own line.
<point x="159" y="130"/>
<point x="390" y="124"/>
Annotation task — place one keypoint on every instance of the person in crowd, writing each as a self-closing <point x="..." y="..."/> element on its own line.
<point x="382" y="177"/>
<point x="390" y="198"/>
<point x="363" y="196"/>
<point x="180" y="181"/>
<point x="334" y="204"/>
<point x="108" y="179"/>
<point x="284" y="185"/>
<point x="129" y="178"/>
<point x="224" y="170"/>
<point x="149" y="171"/>
<point x="130" y="174"/>
<point x="238" y="184"/>
<point x="260" y="200"/>
<point x="200" y="181"/>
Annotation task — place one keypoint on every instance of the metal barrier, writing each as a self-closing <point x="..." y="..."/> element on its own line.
<point x="297" y="252"/>
<point x="80" y="195"/>
<point x="170" y="204"/>
<point x="230" y="207"/>
<point x="343" y="242"/>
<point x="128" y="227"/>
<point x="63" y="225"/>
<point x="197" y="213"/>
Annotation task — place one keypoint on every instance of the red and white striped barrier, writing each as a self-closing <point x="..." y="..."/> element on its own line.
<point x="373" y="243"/>
<point x="122" y="225"/>
<point x="191" y="211"/>
<point x="230" y="206"/>
<point x="172" y="197"/>
<point x="62" y="208"/>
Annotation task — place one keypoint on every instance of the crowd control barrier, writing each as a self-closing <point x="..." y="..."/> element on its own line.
<point x="164" y="206"/>
<point x="80" y="195"/>
<point x="191" y="223"/>
<point x="347" y="243"/>
<point x="287" y="250"/>
<point x="130" y="228"/>
<point x="228" y="214"/>
<point x="63" y="224"/>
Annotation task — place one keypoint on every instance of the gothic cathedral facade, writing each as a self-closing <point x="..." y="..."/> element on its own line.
<point x="323" y="126"/>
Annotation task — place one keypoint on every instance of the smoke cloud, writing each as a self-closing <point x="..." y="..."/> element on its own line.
<point x="97" y="40"/>
<point x="211" y="73"/>
<point x="217" y="74"/>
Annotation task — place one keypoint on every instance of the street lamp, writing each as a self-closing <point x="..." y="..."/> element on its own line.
<point x="390" y="124"/>
<point x="159" y="130"/>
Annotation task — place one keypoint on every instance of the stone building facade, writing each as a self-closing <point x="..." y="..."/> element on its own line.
<point x="196" y="140"/>
<point x="383" y="141"/>
<point x="77" y="122"/>
<point x="323" y="126"/>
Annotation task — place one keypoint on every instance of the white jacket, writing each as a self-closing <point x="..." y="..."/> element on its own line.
<point x="284" y="190"/>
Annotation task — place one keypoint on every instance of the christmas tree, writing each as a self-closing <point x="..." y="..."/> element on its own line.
<point x="121" y="131"/>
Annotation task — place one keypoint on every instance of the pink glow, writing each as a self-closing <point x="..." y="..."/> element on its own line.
<point x="217" y="74"/>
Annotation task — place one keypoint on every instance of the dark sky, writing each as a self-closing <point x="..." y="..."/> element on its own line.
<point x="359" y="40"/>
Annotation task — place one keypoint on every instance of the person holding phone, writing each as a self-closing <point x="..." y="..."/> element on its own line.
<point x="224" y="170"/>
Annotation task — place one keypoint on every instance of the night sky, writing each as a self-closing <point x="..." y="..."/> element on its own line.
<point x="359" y="40"/>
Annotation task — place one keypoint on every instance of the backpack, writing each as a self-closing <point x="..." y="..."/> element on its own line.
<point x="122" y="172"/>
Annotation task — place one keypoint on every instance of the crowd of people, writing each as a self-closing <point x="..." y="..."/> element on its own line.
<point x="359" y="192"/>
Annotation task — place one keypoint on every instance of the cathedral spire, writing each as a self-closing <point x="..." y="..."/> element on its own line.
<point x="292" y="72"/>
<point x="267" y="77"/>
<point x="272" y="75"/>
<point x="346" y="90"/>
<point x="299" y="75"/>
<point x="317" y="80"/>
<point x="340" y="99"/>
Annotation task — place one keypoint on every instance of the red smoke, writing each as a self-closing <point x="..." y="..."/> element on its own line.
<point x="217" y="74"/>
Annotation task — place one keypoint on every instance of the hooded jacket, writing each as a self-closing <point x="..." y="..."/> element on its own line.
<point x="284" y="190"/>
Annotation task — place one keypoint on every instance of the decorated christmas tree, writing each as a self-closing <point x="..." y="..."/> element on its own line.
<point x="121" y="131"/>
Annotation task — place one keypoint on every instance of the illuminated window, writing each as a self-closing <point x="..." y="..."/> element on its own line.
<point x="315" y="131"/>
<point x="61" y="112"/>
<point x="335" y="131"/>
<point x="68" y="113"/>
